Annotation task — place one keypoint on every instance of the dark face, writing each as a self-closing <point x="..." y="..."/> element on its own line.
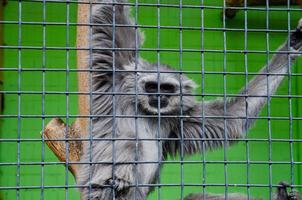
<point x="164" y="93"/>
<point x="159" y="93"/>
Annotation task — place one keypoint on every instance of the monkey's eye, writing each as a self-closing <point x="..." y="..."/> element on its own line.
<point x="151" y="87"/>
<point x="167" y="88"/>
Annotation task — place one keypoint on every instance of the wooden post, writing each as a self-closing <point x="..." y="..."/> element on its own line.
<point x="56" y="131"/>
<point x="82" y="64"/>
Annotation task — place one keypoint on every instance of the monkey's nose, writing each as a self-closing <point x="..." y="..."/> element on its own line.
<point x="154" y="102"/>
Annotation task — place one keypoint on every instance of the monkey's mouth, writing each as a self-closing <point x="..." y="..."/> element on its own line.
<point x="155" y="105"/>
<point x="158" y="102"/>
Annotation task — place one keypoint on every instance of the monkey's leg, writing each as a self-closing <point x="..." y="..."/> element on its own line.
<point x="118" y="178"/>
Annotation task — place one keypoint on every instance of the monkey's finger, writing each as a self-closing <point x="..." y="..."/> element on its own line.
<point x="296" y="37"/>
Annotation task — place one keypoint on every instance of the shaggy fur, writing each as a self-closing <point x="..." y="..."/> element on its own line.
<point x="127" y="150"/>
<point x="281" y="194"/>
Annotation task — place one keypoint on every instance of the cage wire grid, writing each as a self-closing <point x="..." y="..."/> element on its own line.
<point x="219" y="54"/>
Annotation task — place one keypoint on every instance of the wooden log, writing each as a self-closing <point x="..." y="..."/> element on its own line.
<point x="57" y="135"/>
<point x="82" y="64"/>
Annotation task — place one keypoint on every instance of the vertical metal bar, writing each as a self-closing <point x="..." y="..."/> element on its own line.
<point x="113" y="95"/>
<point x="203" y="102"/>
<point x="247" y="146"/>
<point x="181" y="102"/>
<point x="136" y="101"/>
<point x="90" y="128"/>
<point x="19" y="97"/>
<point x="268" y="99"/>
<point x="43" y="97"/>
<point x="225" y="156"/>
<point x="67" y="99"/>
<point x="290" y="99"/>
<point x="159" y="143"/>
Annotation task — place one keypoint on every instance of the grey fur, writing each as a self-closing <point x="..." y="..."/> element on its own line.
<point x="281" y="194"/>
<point x="107" y="181"/>
<point x="218" y="197"/>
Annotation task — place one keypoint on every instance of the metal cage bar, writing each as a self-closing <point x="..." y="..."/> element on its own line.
<point x="156" y="51"/>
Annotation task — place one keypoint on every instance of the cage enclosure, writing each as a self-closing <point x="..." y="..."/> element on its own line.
<point x="46" y="68"/>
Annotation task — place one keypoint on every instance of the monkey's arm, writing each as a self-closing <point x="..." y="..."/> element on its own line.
<point x="281" y="194"/>
<point x="114" y="40"/>
<point x="114" y="37"/>
<point x="220" y="121"/>
<point x="114" y="43"/>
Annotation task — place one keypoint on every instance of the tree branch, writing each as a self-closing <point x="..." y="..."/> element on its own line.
<point x="57" y="135"/>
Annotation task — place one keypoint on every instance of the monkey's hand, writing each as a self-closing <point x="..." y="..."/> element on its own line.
<point x="282" y="193"/>
<point x="294" y="195"/>
<point x="296" y="38"/>
<point x="117" y="186"/>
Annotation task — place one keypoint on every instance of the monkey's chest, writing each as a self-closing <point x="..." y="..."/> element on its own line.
<point x="151" y="153"/>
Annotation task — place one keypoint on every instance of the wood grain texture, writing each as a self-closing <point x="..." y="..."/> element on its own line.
<point x="82" y="64"/>
<point x="58" y="135"/>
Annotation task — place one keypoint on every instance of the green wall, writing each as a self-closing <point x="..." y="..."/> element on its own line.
<point x="32" y="83"/>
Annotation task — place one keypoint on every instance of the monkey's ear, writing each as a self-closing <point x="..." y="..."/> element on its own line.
<point x="189" y="85"/>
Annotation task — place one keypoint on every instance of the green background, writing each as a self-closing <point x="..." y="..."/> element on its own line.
<point x="31" y="152"/>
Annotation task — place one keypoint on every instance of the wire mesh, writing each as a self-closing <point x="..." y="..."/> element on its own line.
<point x="196" y="38"/>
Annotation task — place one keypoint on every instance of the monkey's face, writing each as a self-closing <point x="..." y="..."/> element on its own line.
<point x="164" y="93"/>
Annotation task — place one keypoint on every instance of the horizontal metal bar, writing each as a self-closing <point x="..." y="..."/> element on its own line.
<point x="266" y="52"/>
<point x="148" y="139"/>
<point x="147" y="116"/>
<point x="167" y="162"/>
<point x="219" y="29"/>
<point x="275" y="96"/>
<point x="159" y="5"/>
<point x="175" y="71"/>
<point x="236" y="185"/>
